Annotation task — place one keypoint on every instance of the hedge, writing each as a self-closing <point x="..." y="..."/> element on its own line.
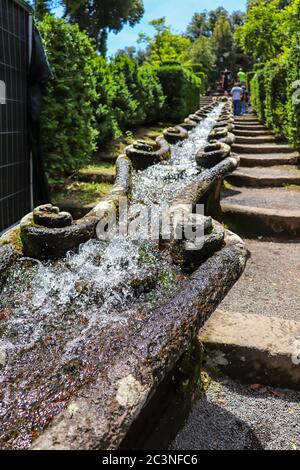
<point x="293" y="92"/>
<point x="68" y="133"/>
<point x="182" y="89"/>
<point x="275" y="91"/>
<point x="90" y="100"/>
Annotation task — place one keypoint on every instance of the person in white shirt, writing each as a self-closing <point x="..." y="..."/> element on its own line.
<point x="236" y="94"/>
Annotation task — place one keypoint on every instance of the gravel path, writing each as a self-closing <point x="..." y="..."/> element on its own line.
<point x="235" y="417"/>
<point x="270" y="285"/>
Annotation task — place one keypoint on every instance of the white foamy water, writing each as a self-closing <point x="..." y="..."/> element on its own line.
<point x="61" y="320"/>
<point x="98" y="285"/>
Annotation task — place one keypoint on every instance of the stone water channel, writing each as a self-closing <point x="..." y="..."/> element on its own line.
<point x="61" y="320"/>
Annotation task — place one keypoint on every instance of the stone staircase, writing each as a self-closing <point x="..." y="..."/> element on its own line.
<point x="264" y="193"/>
<point x="205" y="100"/>
<point x="254" y="336"/>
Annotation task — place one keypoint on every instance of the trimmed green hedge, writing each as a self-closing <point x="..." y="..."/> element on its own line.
<point x="90" y="100"/>
<point x="293" y="92"/>
<point x="68" y="133"/>
<point x="127" y="96"/>
<point x="275" y="91"/>
<point x="182" y="90"/>
<point x="197" y="70"/>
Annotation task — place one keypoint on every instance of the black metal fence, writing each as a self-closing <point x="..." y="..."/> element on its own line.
<point x="15" y="193"/>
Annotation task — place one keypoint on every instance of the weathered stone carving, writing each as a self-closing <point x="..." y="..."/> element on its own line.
<point x="175" y="134"/>
<point x="47" y="233"/>
<point x="45" y="240"/>
<point x="144" y="154"/>
<point x="195" y="118"/>
<point x="188" y="124"/>
<point x="225" y="124"/>
<point x="50" y="216"/>
<point x="222" y="135"/>
<point x="212" y="154"/>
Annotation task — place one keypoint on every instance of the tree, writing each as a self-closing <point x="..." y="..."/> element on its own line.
<point x="41" y="7"/>
<point x="165" y="46"/>
<point x="214" y="16"/>
<point x="198" y="26"/>
<point x="261" y="36"/>
<point x="201" y="52"/>
<point x="222" y="40"/>
<point x="237" y="18"/>
<point x="99" y="17"/>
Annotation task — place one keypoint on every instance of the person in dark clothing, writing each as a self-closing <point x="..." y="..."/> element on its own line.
<point x="245" y="98"/>
<point x="225" y="80"/>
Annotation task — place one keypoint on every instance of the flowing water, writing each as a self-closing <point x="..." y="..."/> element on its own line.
<point x="58" y="320"/>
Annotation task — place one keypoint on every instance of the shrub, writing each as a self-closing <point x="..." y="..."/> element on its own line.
<point x="181" y="88"/>
<point x="106" y="120"/>
<point x="126" y="100"/>
<point x="68" y="132"/>
<point x="274" y="89"/>
<point x="257" y="88"/>
<point x="275" y="96"/>
<point x="198" y="71"/>
<point x="293" y="92"/>
<point x="152" y="98"/>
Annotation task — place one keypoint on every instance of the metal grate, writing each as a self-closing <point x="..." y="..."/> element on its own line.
<point x="14" y="146"/>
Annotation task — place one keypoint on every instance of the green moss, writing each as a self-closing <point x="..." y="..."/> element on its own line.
<point x="103" y="167"/>
<point x="189" y="371"/>
<point x="81" y="193"/>
<point x="227" y="185"/>
<point x="14" y="238"/>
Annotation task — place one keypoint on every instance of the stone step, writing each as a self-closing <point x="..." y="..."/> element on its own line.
<point x="257" y="211"/>
<point x="249" y="120"/>
<point x="102" y="157"/>
<point x="253" y="348"/>
<point x="265" y="139"/>
<point x="269" y="159"/>
<point x="252" y="133"/>
<point x="262" y="177"/>
<point x="96" y="176"/>
<point x="250" y="127"/>
<point x="263" y="148"/>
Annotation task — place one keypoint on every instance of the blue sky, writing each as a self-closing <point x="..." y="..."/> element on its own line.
<point x="177" y="12"/>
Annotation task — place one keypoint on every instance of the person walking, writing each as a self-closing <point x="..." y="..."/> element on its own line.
<point x="225" y="80"/>
<point x="236" y="93"/>
<point x="242" y="78"/>
<point x="245" y="100"/>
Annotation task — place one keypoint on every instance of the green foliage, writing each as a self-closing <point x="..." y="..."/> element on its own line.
<point x="261" y="36"/>
<point x="293" y="91"/>
<point x="258" y="95"/>
<point x="181" y="88"/>
<point x="106" y="119"/>
<point x="276" y="83"/>
<point x="201" y="52"/>
<point x="69" y="136"/>
<point x="90" y="100"/>
<point x="127" y="93"/>
<point x="216" y="48"/>
<point x="165" y="45"/>
<point x="274" y="76"/>
<point x="98" y="17"/>
<point x="222" y="42"/>
<point x="275" y="94"/>
<point x="41" y="8"/>
<point x="152" y="96"/>
<point x="128" y="96"/>
<point x="197" y="70"/>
